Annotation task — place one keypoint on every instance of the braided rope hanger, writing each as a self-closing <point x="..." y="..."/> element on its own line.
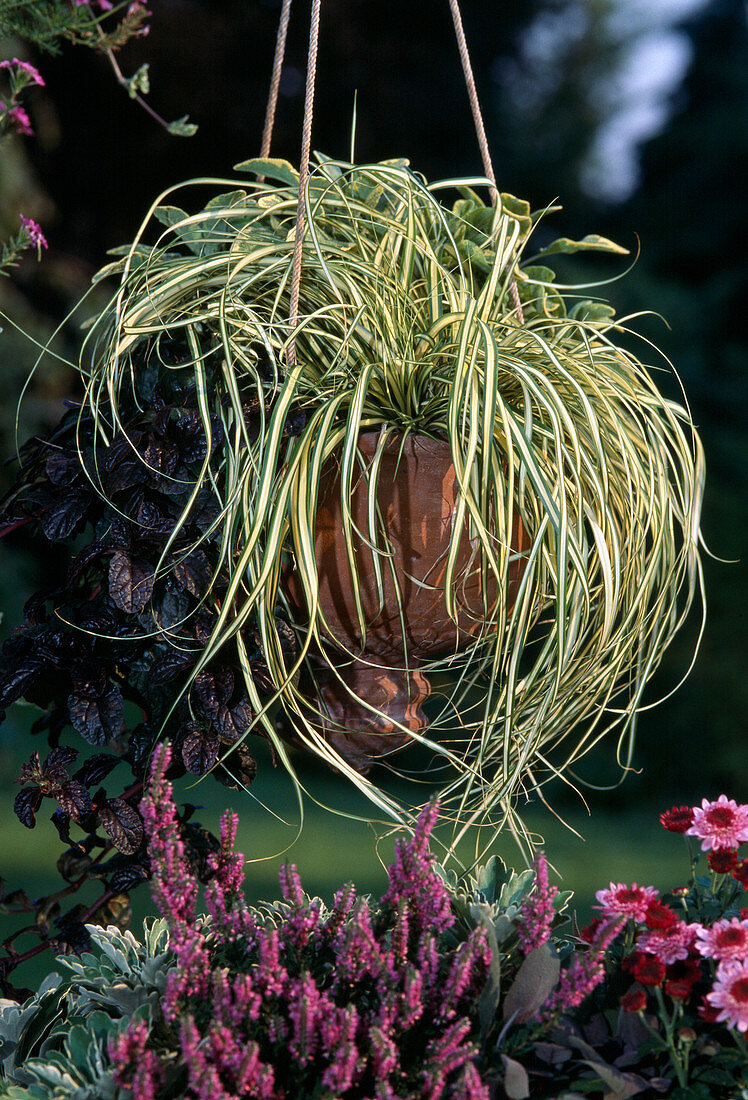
<point x="306" y="140"/>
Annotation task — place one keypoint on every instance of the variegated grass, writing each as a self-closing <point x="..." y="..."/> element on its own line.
<point x="406" y="324"/>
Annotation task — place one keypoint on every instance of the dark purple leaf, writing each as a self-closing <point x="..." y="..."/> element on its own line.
<point x="214" y="689"/>
<point x="31" y="771"/>
<point x="61" y="518"/>
<point x="172" y="609"/>
<point x="17" y="680"/>
<point x="140" y="744"/>
<point x="84" y="558"/>
<point x="232" y="722"/>
<point x="73" y="863"/>
<point x="204" y="627"/>
<point x="199" y="846"/>
<point x="123" y="478"/>
<point x="97" y="720"/>
<point x="170" y="665"/>
<point x="61" y="822"/>
<point x="153" y="521"/>
<point x="193" y="572"/>
<point x="96" y="768"/>
<point x="61" y="757"/>
<point x="62" y="468"/>
<point x="123" y="824"/>
<point x="240" y="768"/>
<point x="74" y="937"/>
<point x="123" y="448"/>
<point x="26" y="803"/>
<point x="127" y="878"/>
<point x="199" y="751"/>
<point x="119" y="533"/>
<point x="130" y="584"/>
<point x="90" y="680"/>
<point x="160" y="456"/>
<point x="190" y="435"/>
<point x="75" y="801"/>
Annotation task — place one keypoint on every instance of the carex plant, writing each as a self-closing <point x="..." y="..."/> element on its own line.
<point x="408" y="325"/>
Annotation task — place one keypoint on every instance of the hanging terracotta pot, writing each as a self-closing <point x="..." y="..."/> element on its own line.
<point x="379" y="684"/>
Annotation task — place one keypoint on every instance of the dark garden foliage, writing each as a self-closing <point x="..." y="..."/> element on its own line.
<point x="105" y="654"/>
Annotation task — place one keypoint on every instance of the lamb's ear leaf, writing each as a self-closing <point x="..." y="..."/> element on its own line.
<point x="272" y="168"/>
<point x="516" y="1081"/>
<point x="535" y="981"/>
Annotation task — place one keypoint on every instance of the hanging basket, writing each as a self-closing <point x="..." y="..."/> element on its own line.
<point x="570" y="556"/>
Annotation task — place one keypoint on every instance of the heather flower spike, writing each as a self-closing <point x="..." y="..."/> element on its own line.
<point x="537" y="912"/>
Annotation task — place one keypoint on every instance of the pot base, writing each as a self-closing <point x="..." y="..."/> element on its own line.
<point x="360" y="736"/>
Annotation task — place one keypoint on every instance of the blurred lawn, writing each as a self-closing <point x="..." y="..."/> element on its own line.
<point x="331" y="849"/>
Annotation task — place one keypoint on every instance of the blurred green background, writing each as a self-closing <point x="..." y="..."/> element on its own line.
<point x="634" y="115"/>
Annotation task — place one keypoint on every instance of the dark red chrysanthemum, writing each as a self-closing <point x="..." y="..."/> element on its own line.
<point x="634" y="1001"/>
<point x="660" y="916"/>
<point x="678" y="819"/>
<point x="589" y="931"/>
<point x="740" y="873"/>
<point x="649" y="970"/>
<point x="687" y="971"/>
<point x="678" y="991"/>
<point x="722" y="860"/>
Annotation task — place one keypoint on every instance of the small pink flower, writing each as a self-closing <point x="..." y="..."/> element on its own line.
<point x="32" y="73"/>
<point x="17" y="119"/>
<point x="671" y="944"/>
<point x="36" y="237"/>
<point x="727" y="939"/>
<point x="626" y="901"/>
<point x="730" y="994"/>
<point x="720" y="824"/>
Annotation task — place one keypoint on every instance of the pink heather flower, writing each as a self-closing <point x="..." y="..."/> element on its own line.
<point x="584" y="973"/>
<point x="670" y="944"/>
<point x="730" y="994"/>
<point x="720" y="824"/>
<point x="36" y="237"/>
<point x="626" y="901"/>
<point x="18" y="119"/>
<point x="537" y="913"/>
<point x="727" y="939"/>
<point x="32" y="74"/>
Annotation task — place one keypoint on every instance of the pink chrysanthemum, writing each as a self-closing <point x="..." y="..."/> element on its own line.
<point x="730" y="994"/>
<point x="720" y="824"/>
<point x="727" y="939"/>
<point x="671" y="944"/>
<point x="626" y="901"/>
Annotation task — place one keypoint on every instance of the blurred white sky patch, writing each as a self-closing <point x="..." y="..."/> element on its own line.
<point x="651" y="69"/>
<point x="627" y="57"/>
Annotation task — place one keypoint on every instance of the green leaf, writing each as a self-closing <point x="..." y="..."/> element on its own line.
<point x="514" y="890"/>
<point x="593" y="242"/>
<point x="535" y="981"/>
<point x="592" y="311"/>
<point x="491" y="877"/>
<point x="139" y="83"/>
<point x="182" y="127"/>
<point x="272" y="168"/>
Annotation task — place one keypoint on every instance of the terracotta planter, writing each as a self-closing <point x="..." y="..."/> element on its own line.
<point x="416" y="493"/>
